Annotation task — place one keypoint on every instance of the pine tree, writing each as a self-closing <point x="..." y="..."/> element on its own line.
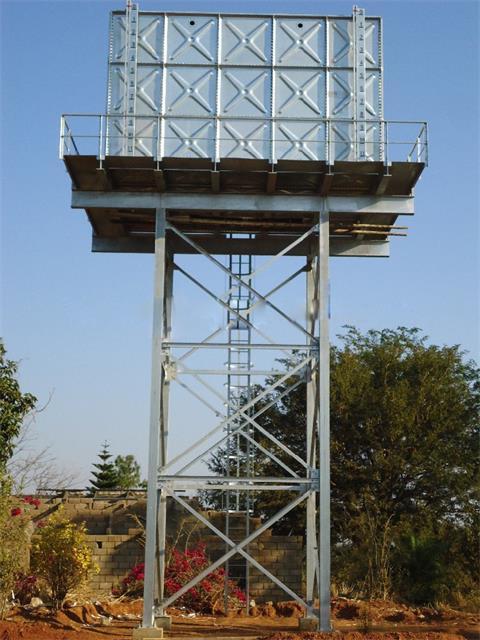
<point x="106" y="478"/>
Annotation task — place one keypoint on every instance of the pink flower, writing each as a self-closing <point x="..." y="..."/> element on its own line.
<point x="16" y="511"/>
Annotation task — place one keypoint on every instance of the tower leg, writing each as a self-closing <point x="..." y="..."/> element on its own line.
<point x="324" y="420"/>
<point x="157" y="434"/>
<point x="310" y="532"/>
<point x="161" y="619"/>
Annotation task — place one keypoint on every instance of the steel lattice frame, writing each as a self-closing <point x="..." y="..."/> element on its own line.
<point x="167" y="476"/>
<point x="242" y="419"/>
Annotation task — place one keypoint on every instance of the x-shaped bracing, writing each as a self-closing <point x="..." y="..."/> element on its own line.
<point x="241" y="413"/>
<point x="243" y="283"/>
<point x="236" y="547"/>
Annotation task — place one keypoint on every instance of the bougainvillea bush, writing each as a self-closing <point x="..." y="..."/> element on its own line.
<point x="205" y="597"/>
<point x="16" y="528"/>
<point x="25" y="587"/>
<point x="61" y="557"/>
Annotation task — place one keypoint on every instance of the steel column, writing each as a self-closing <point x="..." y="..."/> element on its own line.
<point x="310" y="524"/>
<point x="158" y="435"/>
<point x="165" y="390"/>
<point x="324" y="419"/>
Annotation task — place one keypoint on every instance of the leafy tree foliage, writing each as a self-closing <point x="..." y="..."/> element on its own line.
<point x="106" y="477"/>
<point x="128" y="472"/>
<point x="404" y="454"/>
<point x="14" y="406"/>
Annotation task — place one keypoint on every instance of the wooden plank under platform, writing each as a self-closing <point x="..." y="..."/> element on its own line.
<point x="187" y="175"/>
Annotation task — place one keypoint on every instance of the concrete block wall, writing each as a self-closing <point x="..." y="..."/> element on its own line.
<point x="114" y="539"/>
<point x="115" y="555"/>
<point x="283" y="557"/>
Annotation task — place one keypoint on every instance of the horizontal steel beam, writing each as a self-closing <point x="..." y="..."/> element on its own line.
<point x="395" y="205"/>
<point x="230" y="480"/>
<point x="339" y="247"/>
<point x="238" y="486"/>
<point x="238" y="346"/>
<point x="231" y="372"/>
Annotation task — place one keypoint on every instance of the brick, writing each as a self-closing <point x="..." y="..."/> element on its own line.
<point x="105" y="585"/>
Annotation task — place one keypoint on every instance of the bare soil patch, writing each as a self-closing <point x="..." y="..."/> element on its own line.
<point x="352" y="620"/>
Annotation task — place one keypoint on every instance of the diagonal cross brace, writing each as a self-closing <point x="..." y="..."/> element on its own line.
<point x="240" y="431"/>
<point x="268" y="263"/>
<point x="236" y="548"/>
<point x="206" y="340"/>
<point x="238" y="413"/>
<point x="259" y="269"/>
<point x="259" y="427"/>
<point x="239" y="280"/>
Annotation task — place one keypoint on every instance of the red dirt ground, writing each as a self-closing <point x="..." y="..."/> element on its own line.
<point x="274" y="621"/>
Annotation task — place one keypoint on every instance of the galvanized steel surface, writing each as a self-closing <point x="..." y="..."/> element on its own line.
<point x="237" y="86"/>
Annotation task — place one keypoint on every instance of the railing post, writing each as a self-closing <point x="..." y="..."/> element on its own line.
<point x="329" y="133"/>
<point x="157" y="145"/>
<point x="61" y="147"/>
<point x="385" y="146"/>
<point x="101" y="155"/>
<point x="425" y="128"/>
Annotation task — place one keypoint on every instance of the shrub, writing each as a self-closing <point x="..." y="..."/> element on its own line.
<point x="206" y="596"/>
<point x="14" y="537"/>
<point x="61" y="557"/>
<point x="25" y="587"/>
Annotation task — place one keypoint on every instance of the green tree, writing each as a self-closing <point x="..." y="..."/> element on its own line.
<point x="105" y="478"/>
<point x="14" y="406"/>
<point x="404" y="439"/>
<point x="128" y="472"/>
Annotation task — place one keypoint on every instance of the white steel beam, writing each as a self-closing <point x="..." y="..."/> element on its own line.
<point x="157" y="434"/>
<point x="311" y="542"/>
<point x="396" y="205"/>
<point x="239" y="431"/>
<point x="324" y="421"/>
<point x="269" y="245"/>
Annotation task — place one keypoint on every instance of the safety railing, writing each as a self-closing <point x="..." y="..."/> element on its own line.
<point x="159" y="137"/>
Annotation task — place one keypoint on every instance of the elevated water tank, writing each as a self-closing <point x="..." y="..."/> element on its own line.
<point x="262" y="87"/>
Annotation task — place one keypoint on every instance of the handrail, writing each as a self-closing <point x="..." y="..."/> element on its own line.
<point x="336" y="146"/>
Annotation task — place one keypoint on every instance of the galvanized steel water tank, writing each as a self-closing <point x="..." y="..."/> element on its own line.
<point x="232" y="86"/>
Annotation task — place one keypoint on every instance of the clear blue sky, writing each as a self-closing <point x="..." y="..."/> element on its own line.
<point x="81" y="323"/>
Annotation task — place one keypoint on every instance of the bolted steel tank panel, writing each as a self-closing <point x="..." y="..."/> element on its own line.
<point x="259" y="87"/>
